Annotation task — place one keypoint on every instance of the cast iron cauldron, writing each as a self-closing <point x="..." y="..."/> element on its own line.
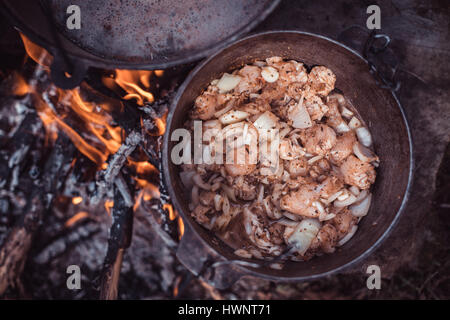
<point x="200" y="250"/>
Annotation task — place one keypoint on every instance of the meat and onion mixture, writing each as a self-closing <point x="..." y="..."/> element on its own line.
<point x="307" y="195"/>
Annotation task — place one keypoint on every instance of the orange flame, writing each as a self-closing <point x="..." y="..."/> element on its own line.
<point x="108" y="206"/>
<point x="169" y="208"/>
<point x="77" y="217"/>
<point x="143" y="167"/>
<point x="21" y="87"/>
<point x="77" y="200"/>
<point x="100" y="137"/>
<point x="173" y="214"/>
<point x="180" y="228"/>
<point x="130" y="81"/>
<point x="37" y="53"/>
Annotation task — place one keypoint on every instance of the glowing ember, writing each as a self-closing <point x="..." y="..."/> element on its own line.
<point x="169" y="208"/>
<point x="108" y="206"/>
<point x="21" y="88"/>
<point x="77" y="200"/>
<point x="180" y="228"/>
<point x="143" y="167"/>
<point x="77" y="217"/>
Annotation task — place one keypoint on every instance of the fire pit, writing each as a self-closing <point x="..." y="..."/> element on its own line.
<point x="90" y="154"/>
<point x="80" y="178"/>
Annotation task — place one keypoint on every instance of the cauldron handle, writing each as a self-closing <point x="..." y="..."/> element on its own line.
<point x="374" y="47"/>
<point x="62" y="77"/>
<point x="204" y="262"/>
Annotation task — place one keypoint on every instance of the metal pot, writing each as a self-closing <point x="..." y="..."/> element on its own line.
<point x="136" y="34"/>
<point x="202" y="252"/>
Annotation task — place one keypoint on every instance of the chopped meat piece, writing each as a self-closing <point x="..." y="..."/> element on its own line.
<point x="343" y="222"/>
<point x="357" y="173"/>
<point x="199" y="214"/>
<point x="321" y="80"/>
<point x="330" y="186"/>
<point x="298" y="167"/>
<point x="251" y="80"/>
<point x="244" y="189"/>
<point x="242" y="163"/>
<point x="343" y="147"/>
<point x="326" y="239"/>
<point x="315" y="106"/>
<point x="205" y="106"/>
<point x="207" y="198"/>
<point x="301" y="201"/>
<point x="319" y="139"/>
<point x="291" y="72"/>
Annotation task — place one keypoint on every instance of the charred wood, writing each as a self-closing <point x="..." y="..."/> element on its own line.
<point x="14" y="250"/>
<point x="119" y="240"/>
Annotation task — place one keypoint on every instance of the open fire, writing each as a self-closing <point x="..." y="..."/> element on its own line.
<point x="116" y="123"/>
<point x="100" y="137"/>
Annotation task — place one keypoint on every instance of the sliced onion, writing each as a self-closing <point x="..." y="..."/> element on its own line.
<point x="194" y="195"/>
<point x="228" y="82"/>
<point x="288" y="222"/>
<point x="348" y="236"/>
<point x="266" y="121"/>
<point x="200" y="183"/>
<point x="226" y="206"/>
<point x="362" y="195"/>
<point x="243" y="253"/>
<point x="319" y="207"/>
<point x="333" y="197"/>
<point x="342" y="127"/>
<point x="291" y="216"/>
<point x="186" y="178"/>
<point x="346" y="202"/>
<point x="361" y="208"/>
<point x="259" y="63"/>
<point x="277" y="266"/>
<point x="328" y="217"/>
<point x="260" y="194"/>
<point x="233" y="116"/>
<point x="314" y="159"/>
<point x="229" y="191"/>
<point x="224" y="110"/>
<point x="364" y="136"/>
<point x="354" y="123"/>
<point x="303" y="235"/>
<point x="299" y="116"/>
<point x="346" y="113"/>
<point x="218" y="202"/>
<point x="354" y="190"/>
<point x="364" y="154"/>
<point x="284" y="132"/>
<point x="270" y="74"/>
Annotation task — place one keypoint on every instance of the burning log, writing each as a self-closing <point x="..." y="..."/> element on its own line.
<point x="14" y="251"/>
<point x="19" y="146"/>
<point x="119" y="240"/>
<point x="86" y="133"/>
<point x="115" y="164"/>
